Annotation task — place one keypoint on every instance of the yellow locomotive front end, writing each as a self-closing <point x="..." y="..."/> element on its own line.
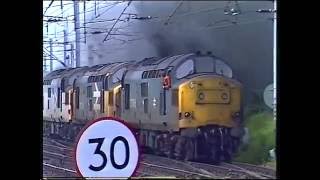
<point x="209" y="118"/>
<point x="209" y="100"/>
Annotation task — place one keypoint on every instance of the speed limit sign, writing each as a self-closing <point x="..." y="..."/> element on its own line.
<point x="106" y="148"/>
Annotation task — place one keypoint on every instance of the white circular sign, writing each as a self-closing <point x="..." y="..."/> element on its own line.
<point x="107" y="149"/>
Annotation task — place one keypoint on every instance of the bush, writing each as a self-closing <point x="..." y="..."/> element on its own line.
<point x="261" y="138"/>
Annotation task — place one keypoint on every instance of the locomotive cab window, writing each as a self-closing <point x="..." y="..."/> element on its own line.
<point x="223" y="69"/>
<point x="105" y="83"/>
<point x="157" y="74"/>
<point x="185" y="69"/>
<point x="204" y="65"/>
<point x="144" y="74"/>
<point x="118" y="75"/>
<point x="153" y="73"/>
<point x="149" y="74"/>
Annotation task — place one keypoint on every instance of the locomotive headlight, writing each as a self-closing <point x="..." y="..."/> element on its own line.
<point x="201" y="96"/>
<point x="187" y="114"/>
<point x="236" y="115"/>
<point x="224" y="96"/>
<point x="191" y="85"/>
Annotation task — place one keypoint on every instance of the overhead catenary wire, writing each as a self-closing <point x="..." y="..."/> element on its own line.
<point x="159" y="18"/>
<point x="95" y="33"/>
<point x="216" y="24"/>
<point x="174" y="11"/>
<point x="117" y="20"/>
<point x="48" y="6"/>
<point x="210" y="25"/>
<point x="73" y="31"/>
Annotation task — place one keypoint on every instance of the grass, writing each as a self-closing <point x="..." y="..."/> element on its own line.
<point x="261" y="137"/>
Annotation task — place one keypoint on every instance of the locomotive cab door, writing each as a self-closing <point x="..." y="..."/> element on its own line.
<point x="73" y="100"/>
<point x="118" y="102"/>
<point x="72" y="104"/>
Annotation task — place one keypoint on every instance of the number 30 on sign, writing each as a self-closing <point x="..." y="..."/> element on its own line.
<point x="107" y="149"/>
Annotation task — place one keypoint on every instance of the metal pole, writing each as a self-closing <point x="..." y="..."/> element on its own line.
<point x="95" y="8"/>
<point x="275" y="59"/>
<point x="65" y="47"/>
<point x="77" y="29"/>
<point x="72" y="56"/>
<point x="45" y="65"/>
<point x="84" y="21"/>
<point x="51" y="55"/>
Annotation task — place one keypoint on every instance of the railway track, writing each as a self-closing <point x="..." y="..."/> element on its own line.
<point x="56" y="171"/>
<point x="145" y="169"/>
<point x="60" y="155"/>
<point x="160" y="170"/>
<point x="214" y="171"/>
<point x="263" y="171"/>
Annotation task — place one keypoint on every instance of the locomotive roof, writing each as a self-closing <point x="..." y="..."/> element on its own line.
<point x="54" y="74"/>
<point x="155" y="63"/>
<point x="111" y="68"/>
<point x="63" y="72"/>
<point x="160" y="63"/>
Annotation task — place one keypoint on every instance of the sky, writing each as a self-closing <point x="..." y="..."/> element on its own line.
<point x="245" y="41"/>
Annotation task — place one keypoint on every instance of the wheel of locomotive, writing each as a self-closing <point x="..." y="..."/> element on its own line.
<point x="172" y="143"/>
<point x="215" y="150"/>
<point x="159" y="145"/>
<point x="228" y="149"/>
<point x="215" y="156"/>
<point x="227" y="154"/>
<point x="202" y="148"/>
<point x="179" y="149"/>
<point x="189" y="149"/>
<point x="144" y="148"/>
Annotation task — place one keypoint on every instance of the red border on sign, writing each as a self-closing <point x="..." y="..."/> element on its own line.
<point x="107" y="118"/>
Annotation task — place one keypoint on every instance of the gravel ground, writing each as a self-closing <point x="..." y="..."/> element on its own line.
<point x="60" y="154"/>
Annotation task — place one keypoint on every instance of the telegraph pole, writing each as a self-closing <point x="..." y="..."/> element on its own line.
<point x="72" y="56"/>
<point x="65" y="37"/>
<point x="51" y="56"/>
<point x="84" y="21"/>
<point x="275" y="59"/>
<point x="77" y="29"/>
<point x="65" y="47"/>
<point x="45" y="64"/>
